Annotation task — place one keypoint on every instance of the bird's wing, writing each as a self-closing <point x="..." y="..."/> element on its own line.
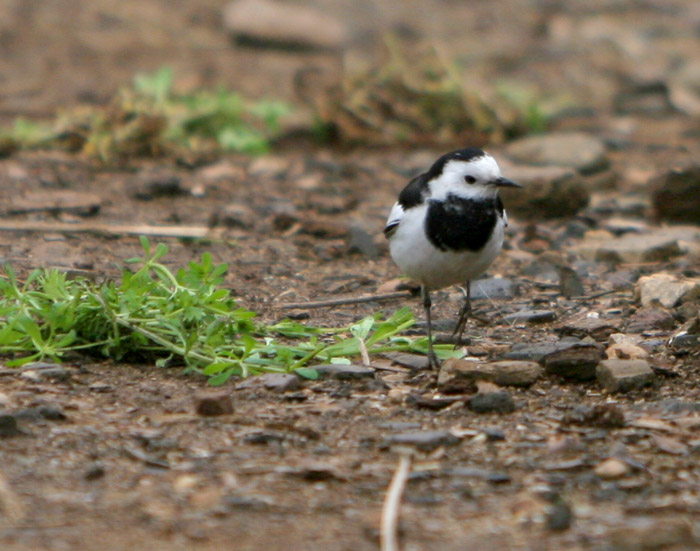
<point x="393" y="221"/>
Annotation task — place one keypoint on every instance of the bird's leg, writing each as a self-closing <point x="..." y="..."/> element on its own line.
<point x="464" y="313"/>
<point x="427" y="303"/>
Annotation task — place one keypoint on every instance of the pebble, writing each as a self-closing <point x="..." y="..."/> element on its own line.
<point x="667" y="290"/>
<point x="491" y="399"/>
<point x="596" y="328"/>
<point x="652" y="534"/>
<point x="648" y="319"/>
<point x="416" y="362"/>
<point x="492" y="288"/>
<point x="211" y="404"/>
<point x="425" y="440"/>
<point x="8" y="426"/>
<point x="59" y="200"/>
<point x="578" y="361"/>
<point x="576" y="150"/>
<point x="497" y="477"/>
<point x="659" y="245"/>
<point x="343" y="371"/>
<point x="676" y="195"/>
<point x="626" y="351"/>
<point x="531" y="316"/>
<point x="54" y="374"/>
<point x="612" y="468"/>
<point x="277" y="382"/>
<point x="259" y="23"/>
<point x="548" y="193"/>
<point x="624" y="375"/>
<point x="459" y="376"/>
<point x="154" y="186"/>
<point x="536" y="352"/>
<point x="360" y="241"/>
<point x="237" y="215"/>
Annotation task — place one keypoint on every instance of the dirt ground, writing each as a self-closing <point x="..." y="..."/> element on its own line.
<point x="124" y="462"/>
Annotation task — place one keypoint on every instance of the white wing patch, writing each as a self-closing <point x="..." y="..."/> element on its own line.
<point x="394" y="219"/>
<point x="505" y="218"/>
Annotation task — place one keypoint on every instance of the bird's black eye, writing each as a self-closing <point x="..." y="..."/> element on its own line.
<point x="469" y="179"/>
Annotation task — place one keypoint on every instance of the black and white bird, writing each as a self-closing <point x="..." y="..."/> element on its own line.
<point x="447" y="226"/>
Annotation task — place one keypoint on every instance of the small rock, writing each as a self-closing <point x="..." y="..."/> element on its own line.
<point x="154" y="186"/>
<point x="8" y="426"/>
<point x="236" y="215"/>
<point x="646" y="98"/>
<point x="548" y="192"/>
<point x="612" y="468"/>
<point x="417" y="362"/>
<point x="459" y="376"/>
<point x="211" y="404"/>
<point x="492" y="288"/>
<point x="361" y="242"/>
<point x="570" y="284"/>
<point x="491" y="399"/>
<point x="597" y="328"/>
<point x="659" y="245"/>
<point x="653" y="534"/>
<point x="536" y="352"/>
<point x="626" y="351"/>
<point x="676" y="195"/>
<point x="258" y="23"/>
<point x="578" y="361"/>
<point x="277" y="382"/>
<point x="55" y="374"/>
<point x="531" y="316"/>
<point x="624" y="375"/>
<point x="669" y="445"/>
<point x="74" y="202"/>
<point x="497" y="477"/>
<point x="579" y="151"/>
<point x="344" y="371"/>
<point x="687" y="336"/>
<point x="559" y="515"/>
<point x="425" y="440"/>
<point x="667" y="290"/>
<point x="650" y="320"/>
<point x="608" y="416"/>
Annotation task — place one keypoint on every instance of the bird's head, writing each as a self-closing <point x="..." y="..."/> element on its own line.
<point x="470" y="173"/>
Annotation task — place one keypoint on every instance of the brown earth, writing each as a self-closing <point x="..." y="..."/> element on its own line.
<point x="131" y="466"/>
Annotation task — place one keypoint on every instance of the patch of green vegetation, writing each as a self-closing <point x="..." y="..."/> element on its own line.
<point x="149" y="118"/>
<point x="186" y="317"/>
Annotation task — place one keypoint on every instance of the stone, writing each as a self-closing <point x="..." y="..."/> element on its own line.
<point x="626" y="351"/>
<point x="8" y="426"/>
<point x="492" y="288"/>
<point x="424" y="440"/>
<point x="535" y="352"/>
<point x="277" y="382"/>
<point x="55" y="374"/>
<point x="676" y="195"/>
<point x="57" y="200"/>
<point x="417" y="362"/>
<point x="459" y="376"/>
<point x="667" y="290"/>
<point x="236" y="215"/>
<point x="650" y="319"/>
<point x="652" y="534"/>
<point x="595" y="327"/>
<point x="612" y="468"/>
<point x="344" y="371"/>
<point x="658" y="245"/>
<point x="213" y="403"/>
<point x="607" y="416"/>
<point x="531" y="316"/>
<point x="582" y="152"/>
<point x="269" y="23"/>
<point x="492" y="402"/>
<point x="360" y="241"/>
<point x="578" y="361"/>
<point x="624" y="375"/>
<point x="496" y="477"/>
<point x="548" y="192"/>
<point x="156" y="185"/>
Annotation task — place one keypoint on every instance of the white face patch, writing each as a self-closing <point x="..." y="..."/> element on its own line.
<point x="452" y="180"/>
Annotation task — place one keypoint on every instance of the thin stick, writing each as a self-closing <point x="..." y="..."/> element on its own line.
<point x="109" y="229"/>
<point x="341" y="301"/>
<point x="390" y="511"/>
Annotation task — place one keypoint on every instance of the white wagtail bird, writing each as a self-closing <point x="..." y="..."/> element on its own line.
<point x="447" y="226"/>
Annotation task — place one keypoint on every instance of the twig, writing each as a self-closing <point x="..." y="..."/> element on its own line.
<point x="342" y="301"/>
<point x="390" y="511"/>
<point x="603" y="293"/>
<point x="109" y="229"/>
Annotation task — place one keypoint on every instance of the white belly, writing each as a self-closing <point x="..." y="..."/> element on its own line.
<point x="429" y="266"/>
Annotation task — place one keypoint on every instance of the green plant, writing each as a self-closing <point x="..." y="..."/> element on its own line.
<point x="185" y="317"/>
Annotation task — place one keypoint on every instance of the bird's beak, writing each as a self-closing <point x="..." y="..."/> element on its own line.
<point x="505" y="182"/>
